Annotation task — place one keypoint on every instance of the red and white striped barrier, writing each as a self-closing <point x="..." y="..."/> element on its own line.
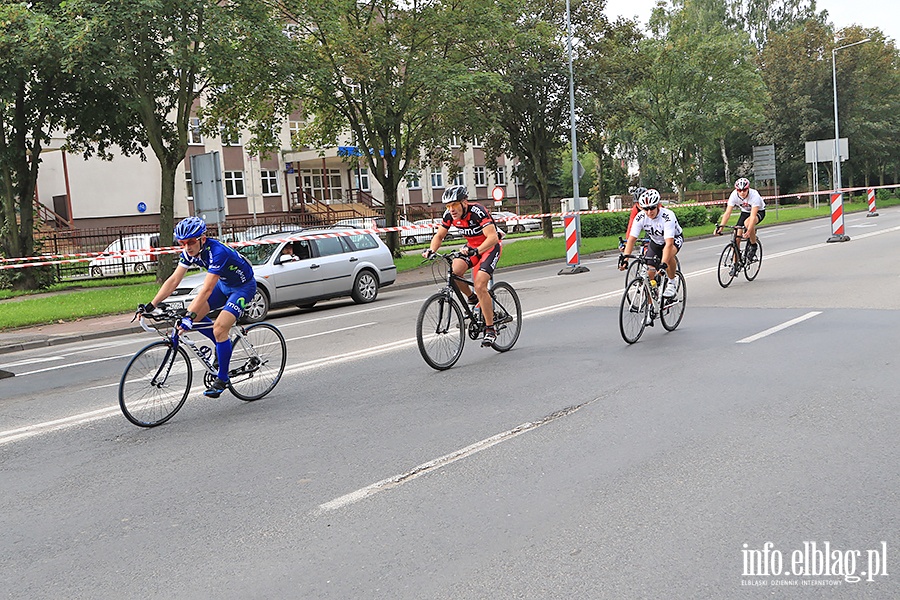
<point x="571" y="241"/>
<point x="871" y="195"/>
<point x="837" y="218"/>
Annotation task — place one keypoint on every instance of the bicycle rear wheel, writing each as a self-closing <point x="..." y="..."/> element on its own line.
<point x="751" y="267"/>
<point x="439" y="332"/>
<point x="507" y="316"/>
<point x="634" y="310"/>
<point x="257" y="362"/>
<point x="726" y="271"/>
<point x="155" y="384"/>
<point x="673" y="308"/>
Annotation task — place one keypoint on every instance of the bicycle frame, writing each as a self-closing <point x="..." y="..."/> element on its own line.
<point x="451" y="288"/>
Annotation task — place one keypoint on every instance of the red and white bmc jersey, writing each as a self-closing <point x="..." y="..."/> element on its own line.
<point x="472" y="223"/>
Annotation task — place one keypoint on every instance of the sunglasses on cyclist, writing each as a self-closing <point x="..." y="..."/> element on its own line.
<point x="189" y="242"/>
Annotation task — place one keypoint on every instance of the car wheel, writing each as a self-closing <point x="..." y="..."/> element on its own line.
<point x="140" y="268"/>
<point x="96" y="272"/>
<point x="306" y="305"/>
<point x="365" y="287"/>
<point x="257" y="309"/>
<point x="519" y="229"/>
<point x="410" y="240"/>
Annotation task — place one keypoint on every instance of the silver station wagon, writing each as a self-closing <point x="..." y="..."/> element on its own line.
<point x="301" y="272"/>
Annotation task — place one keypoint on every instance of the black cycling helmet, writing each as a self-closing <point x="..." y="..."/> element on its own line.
<point x="190" y="228"/>
<point x="456" y="193"/>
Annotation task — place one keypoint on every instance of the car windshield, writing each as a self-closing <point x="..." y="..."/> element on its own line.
<point x="257" y="254"/>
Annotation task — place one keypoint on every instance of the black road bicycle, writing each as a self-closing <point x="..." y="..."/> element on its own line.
<point x="446" y="318"/>
<point x="734" y="259"/>
<point x="158" y="378"/>
<point x="643" y="302"/>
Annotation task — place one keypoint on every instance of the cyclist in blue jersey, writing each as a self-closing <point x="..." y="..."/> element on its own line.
<point x="229" y="285"/>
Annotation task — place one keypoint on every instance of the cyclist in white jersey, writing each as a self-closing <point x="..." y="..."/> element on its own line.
<point x="753" y="211"/>
<point x="665" y="235"/>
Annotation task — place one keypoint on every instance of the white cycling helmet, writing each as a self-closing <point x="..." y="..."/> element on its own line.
<point x="742" y="184"/>
<point x="649" y="199"/>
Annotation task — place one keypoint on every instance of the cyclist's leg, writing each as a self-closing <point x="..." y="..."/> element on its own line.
<point x="668" y="255"/>
<point x="203" y="323"/>
<point x="760" y="215"/>
<point x="460" y="266"/>
<point x="481" y="274"/>
<point x="228" y="316"/>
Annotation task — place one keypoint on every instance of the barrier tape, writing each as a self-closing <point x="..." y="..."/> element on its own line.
<point x="62" y="259"/>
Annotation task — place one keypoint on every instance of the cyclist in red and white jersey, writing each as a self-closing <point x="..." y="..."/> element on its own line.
<point x="481" y="252"/>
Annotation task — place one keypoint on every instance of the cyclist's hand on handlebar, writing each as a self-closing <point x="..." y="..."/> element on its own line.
<point x="623" y="262"/>
<point x="718" y="230"/>
<point x="186" y="324"/>
<point x="429" y="254"/>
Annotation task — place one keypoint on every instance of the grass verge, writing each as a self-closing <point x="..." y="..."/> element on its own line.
<point x="81" y="303"/>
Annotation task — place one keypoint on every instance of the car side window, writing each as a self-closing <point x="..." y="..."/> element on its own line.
<point x="362" y="242"/>
<point x="329" y="246"/>
<point x="302" y="249"/>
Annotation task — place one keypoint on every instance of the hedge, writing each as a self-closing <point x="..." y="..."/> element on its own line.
<point x="604" y="224"/>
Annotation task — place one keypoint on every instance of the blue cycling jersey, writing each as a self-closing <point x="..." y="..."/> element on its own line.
<point x="226" y="262"/>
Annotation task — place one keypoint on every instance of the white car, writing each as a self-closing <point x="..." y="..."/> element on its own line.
<point x="413" y="235"/>
<point x="331" y="267"/>
<point x="452" y="234"/>
<point x="513" y="223"/>
<point x="113" y="262"/>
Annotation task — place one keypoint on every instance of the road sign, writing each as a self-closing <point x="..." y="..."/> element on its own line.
<point x="823" y="151"/>
<point x="497" y="194"/>
<point x="764" y="162"/>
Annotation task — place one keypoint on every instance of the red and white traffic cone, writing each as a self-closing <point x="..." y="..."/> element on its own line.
<point x="871" y="194"/>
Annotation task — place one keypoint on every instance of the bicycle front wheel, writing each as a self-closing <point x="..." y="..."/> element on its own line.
<point x="634" y="310"/>
<point x="751" y="267"/>
<point x="155" y="384"/>
<point x="632" y="272"/>
<point x="257" y="361"/>
<point x="507" y="316"/>
<point x="673" y="308"/>
<point x="439" y="332"/>
<point x="726" y="270"/>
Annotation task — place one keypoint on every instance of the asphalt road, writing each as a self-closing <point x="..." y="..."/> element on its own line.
<point x="574" y="466"/>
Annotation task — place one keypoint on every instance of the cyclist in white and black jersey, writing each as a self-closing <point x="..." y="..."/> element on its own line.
<point x="665" y="233"/>
<point x="753" y="211"/>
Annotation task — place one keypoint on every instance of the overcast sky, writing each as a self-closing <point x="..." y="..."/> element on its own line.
<point x="882" y="14"/>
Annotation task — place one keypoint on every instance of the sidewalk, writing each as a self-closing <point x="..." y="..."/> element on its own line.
<point x="26" y="338"/>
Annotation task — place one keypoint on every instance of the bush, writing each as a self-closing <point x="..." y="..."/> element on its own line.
<point x="692" y="216"/>
<point x="604" y="224"/>
<point x="715" y="213"/>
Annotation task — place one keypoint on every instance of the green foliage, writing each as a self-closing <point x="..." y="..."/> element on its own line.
<point x="715" y="213"/>
<point x="604" y="224"/>
<point x="692" y="216"/>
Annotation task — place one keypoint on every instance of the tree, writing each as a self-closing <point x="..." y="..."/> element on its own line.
<point x="39" y="96"/>
<point x="700" y="83"/>
<point x="159" y="57"/>
<point x="395" y="74"/>
<point x="760" y="18"/>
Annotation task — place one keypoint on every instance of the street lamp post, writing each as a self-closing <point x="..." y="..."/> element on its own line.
<point x="837" y="210"/>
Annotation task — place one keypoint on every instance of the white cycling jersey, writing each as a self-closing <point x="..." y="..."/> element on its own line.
<point x="746" y="204"/>
<point x="665" y="225"/>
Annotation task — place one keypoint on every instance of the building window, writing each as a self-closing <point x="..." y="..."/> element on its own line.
<point x="269" y="182"/>
<point x="190" y="185"/>
<point x="480" y="177"/>
<point x="455" y="141"/>
<point x="459" y="178"/>
<point x="362" y="179"/>
<point x="477" y="143"/>
<point x="501" y="175"/>
<point x="437" y="179"/>
<point x="194" y="137"/>
<point x="229" y="139"/>
<point x="412" y="180"/>
<point x="234" y="183"/>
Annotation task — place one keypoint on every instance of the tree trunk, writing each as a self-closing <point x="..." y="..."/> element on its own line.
<point x="166" y="265"/>
<point x="725" y="160"/>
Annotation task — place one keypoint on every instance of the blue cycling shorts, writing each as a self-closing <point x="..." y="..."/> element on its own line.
<point x="232" y="299"/>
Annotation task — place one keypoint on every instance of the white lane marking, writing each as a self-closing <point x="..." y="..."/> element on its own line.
<point x="442" y="461"/>
<point x="84" y="362"/>
<point x="778" y="328"/>
<point x="31" y="361"/>
<point x="341" y="315"/>
<point x="329" y="332"/>
<point x="39" y="428"/>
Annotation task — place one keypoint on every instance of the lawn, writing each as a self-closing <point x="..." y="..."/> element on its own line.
<point x="122" y="295"/>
